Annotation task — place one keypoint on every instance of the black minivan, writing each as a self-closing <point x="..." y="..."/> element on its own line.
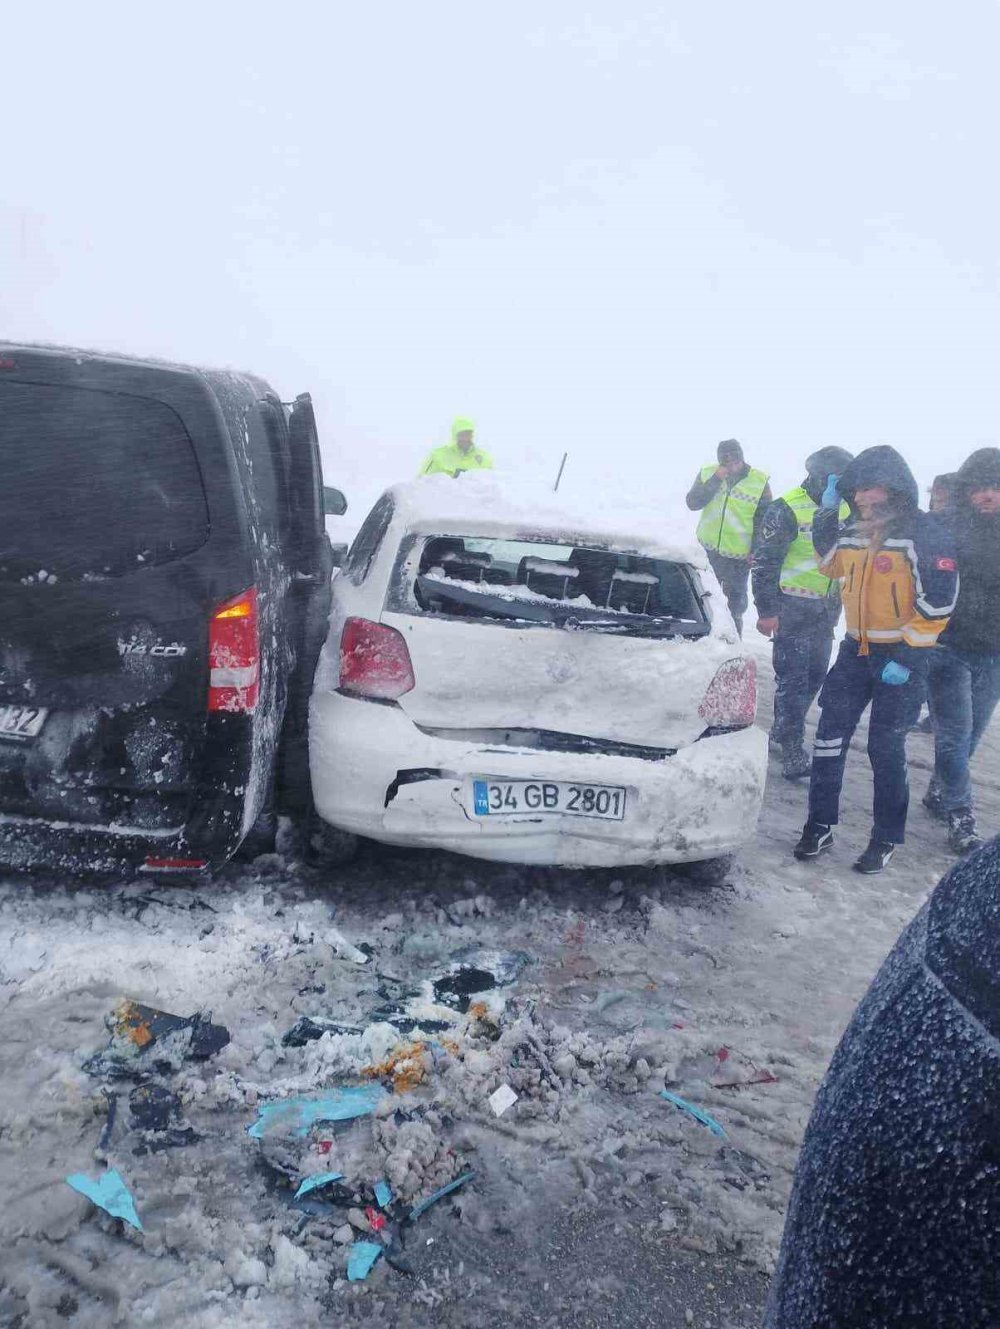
<point x="164" y="592"/>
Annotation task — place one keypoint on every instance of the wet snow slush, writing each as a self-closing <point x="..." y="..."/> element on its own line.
<point x="423" y="983"/>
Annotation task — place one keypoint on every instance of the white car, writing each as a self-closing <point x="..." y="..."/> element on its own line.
<point x="520" y="683"/>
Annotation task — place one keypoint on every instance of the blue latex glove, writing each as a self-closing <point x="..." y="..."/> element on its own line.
<point x="831" y="499"/>
<point x="895" y="674"/>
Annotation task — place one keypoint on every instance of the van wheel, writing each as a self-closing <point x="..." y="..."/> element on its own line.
<point x="327" y="846"/>
<point x="710" y="871"/>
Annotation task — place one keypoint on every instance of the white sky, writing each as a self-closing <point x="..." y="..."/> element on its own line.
<point x="625" y="230"/>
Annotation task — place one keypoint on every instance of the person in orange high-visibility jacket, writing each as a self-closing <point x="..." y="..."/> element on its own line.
<point x="898" y="582"/>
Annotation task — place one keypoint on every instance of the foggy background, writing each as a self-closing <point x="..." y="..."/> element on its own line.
<point x="623" y="230"/>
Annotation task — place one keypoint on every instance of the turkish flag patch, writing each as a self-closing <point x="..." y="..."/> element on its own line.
<point x="944" y="564"/>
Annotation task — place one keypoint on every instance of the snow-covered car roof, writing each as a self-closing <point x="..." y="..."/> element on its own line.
<point x="490" y="503"/>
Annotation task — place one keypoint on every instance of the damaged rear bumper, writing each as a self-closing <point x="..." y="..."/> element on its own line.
<point x="376" y="774"/>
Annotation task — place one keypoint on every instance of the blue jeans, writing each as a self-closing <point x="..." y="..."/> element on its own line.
<point x="854" y="682"/>
<point x="964" y="690"/>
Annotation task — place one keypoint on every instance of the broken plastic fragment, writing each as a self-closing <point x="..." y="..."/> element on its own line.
<point x="696" y="1112"/>
<point x="383" y="1193"/>
<point x="423" y="1205"/>
<point x="501" y="1099"/>
<point x="376" y="1221"/>
<point x="136" y="1029"/>
<point x="309" y="1028"/>
<point x="359" y="1263"/>
<point x="109" y="1193"/>
<point x="295" y="1116"/>
<point x="317" y="1180"/>
<point x="345" y="949"/>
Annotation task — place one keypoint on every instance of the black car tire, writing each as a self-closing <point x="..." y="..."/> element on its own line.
<point x="328" y="846"/>
<point x="710" y="871"/>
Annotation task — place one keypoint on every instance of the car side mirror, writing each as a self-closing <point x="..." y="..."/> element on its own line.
<point x="334" y="502"/>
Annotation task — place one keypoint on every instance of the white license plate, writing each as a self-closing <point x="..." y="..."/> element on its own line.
<point x="21" y="721"/>
<point x="508" y="798"/>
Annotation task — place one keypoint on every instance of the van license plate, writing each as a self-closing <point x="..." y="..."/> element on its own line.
<point x="21" y="721"/>
<point x="505" y="798"/>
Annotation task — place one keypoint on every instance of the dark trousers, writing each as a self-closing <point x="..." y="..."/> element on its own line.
<point x="854" y="682"/>
<point x="964" y="688"/>
<point x="801" y="658"/>
<point x="733" y="575"/>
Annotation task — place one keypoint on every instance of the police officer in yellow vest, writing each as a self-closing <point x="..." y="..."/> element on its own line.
<point x="732" y="498"/>
<point x="797" y="605"/>
<point x="461" y="454"/>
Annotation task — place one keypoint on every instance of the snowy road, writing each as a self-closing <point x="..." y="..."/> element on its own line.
<point x="595" y="1202"/>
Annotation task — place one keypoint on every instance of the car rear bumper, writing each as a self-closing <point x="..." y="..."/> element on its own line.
<point x="376" y="774"/>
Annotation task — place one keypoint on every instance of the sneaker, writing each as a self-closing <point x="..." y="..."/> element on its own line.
<point x="962" y="837"/>
<point x="934" y="805"/>
<point x="815" y="838"/>
<point x="795" y="763"/>
<point x="876" y="857"/>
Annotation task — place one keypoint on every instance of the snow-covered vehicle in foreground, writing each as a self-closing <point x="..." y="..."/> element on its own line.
<point x="164" y="593"/>
<point x="526" y="684"/>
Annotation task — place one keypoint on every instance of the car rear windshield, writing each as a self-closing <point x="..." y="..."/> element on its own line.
<point x="560" y="585"/>
<point x="94" y="484"/>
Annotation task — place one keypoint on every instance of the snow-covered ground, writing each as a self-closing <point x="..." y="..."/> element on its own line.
<point x="590" y="1187"/>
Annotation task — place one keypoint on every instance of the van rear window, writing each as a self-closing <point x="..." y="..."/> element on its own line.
<point x="94" y="484"/>
<point x="558" y="585"/>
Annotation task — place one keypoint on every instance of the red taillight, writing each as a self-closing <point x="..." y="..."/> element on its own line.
<point x="731" y="698"/>
<point x="374" y="661"/>
<point x="234" y="654"/>
<point x="174" y="864"/>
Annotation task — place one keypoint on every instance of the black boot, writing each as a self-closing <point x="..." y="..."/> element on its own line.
<point x="962" y="837"/>
<point x="815" y="838"/>
<point x="795" y="761"/>
<point x="876" y="856"/>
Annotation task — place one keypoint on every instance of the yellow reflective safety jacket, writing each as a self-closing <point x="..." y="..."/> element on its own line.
<point x="726" y="524"/>
<point x="450" y="460"/>
<point x="800" y="574"/>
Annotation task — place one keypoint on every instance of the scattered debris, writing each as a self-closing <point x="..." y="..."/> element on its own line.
<point x="157" y="1112"/>
<point x="753" y="1074"/>
<point x="345" y="949"/>
<point x="317" y="1180"/>
<point x="459" y="987"/>
<point x="107" y="1130"/>
<point x="309" y="1028"/>
<point x="501" y="1099"/>
<point x="383" y="1194"/>
<point x="144" y="1039"/>
<point x="376" y="1221"/>
<point x="422" y="1206"/>
<point x="359" y="1263"/>
<point x="698" y="1113"/>
<point x="109" y="1193"/>
<point x="296" y="1116"/>
<point x="405" y="1066"/>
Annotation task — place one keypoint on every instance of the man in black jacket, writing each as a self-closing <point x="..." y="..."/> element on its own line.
<point x="797" y="606"/>
<point x="964" y="678"/>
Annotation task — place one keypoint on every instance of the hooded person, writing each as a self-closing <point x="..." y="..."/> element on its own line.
<point x="898" y="583"/>
<point x="461" y="454"/>
<point x="964" y="680"/>
<point x="732" y="497"/>
<point x="797" y="604"/>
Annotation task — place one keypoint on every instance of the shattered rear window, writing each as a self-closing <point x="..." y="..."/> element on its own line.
<point x="559" y="585"/>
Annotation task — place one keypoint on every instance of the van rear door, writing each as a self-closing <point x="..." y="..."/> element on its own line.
<point x="105" y="591"/>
